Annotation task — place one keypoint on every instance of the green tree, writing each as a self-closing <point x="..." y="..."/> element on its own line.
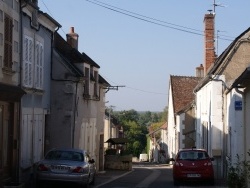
<point x="135" y="126"/>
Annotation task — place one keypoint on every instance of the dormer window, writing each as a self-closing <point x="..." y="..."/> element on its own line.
<point x="86" y="85"/>
<point x="96" y="84"/>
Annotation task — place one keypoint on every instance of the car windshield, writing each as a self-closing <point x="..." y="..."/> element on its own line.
<point x="193" y="155"/>
<point x="64" y="155"/>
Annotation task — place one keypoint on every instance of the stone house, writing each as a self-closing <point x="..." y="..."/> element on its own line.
<point x="181" y="127"/>
<point x="76" y="119"/>
<point x="10" y="89"/>
<point x="222" y="106"/>
<point x="37" y="30"/>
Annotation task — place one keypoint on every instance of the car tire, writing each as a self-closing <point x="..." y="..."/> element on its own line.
<point x="211" y="182"/>
<point x="176" y="183"/>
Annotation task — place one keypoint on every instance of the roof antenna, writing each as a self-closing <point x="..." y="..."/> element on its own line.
<point x="217" y="5"/>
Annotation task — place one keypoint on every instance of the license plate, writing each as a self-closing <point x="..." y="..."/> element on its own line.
<point x="61" y="168"/>
<point x="193" y="175"/>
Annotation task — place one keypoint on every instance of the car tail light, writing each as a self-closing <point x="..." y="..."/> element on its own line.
<point x="208" y="164"/>
<point x="42" y="167"/>
<point x="78" y="170"/>
<point x="178" y="164"/>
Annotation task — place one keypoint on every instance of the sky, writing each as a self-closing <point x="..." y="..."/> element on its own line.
<point x="140" y="43"/>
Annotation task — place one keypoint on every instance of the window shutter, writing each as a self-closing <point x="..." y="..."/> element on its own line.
<point x="39" y="65"/>
<point x="26" y="141"/>
<point x="8" y="42"/>
<point x="27" y="62"/>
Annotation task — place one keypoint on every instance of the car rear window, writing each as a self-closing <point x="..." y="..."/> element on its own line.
<point x="64" y="155"/>
<point x="192" y="155"/>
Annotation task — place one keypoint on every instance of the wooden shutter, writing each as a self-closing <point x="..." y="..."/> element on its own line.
<point x="26" y="141"/>
<point x="27" y="62"/>
<point x="39" y="65"/>
<point x="38" y="138"/>
<point x="8" y="23"/>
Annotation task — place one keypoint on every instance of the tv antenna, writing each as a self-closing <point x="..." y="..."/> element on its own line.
<point x="217" y="5"/>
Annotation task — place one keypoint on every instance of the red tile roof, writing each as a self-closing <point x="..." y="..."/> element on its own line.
<point x="182" y="90"/>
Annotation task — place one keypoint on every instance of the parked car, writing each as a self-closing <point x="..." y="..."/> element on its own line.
<point x="66" y="165"/>
<point x="192" y="165"/>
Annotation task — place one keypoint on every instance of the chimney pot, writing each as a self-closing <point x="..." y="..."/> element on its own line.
<point x="72" y="38"/>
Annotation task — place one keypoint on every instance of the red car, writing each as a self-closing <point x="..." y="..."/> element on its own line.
<point x="192" y="165"/>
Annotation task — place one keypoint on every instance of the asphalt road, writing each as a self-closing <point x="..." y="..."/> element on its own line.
<point x="143" y="175"/>
<point x="150" y="176"/>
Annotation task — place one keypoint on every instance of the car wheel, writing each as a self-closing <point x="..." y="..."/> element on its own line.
<point x="211" y="182"/>
<point x="176" y="183"/>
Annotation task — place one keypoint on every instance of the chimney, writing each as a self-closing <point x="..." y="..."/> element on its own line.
<point x="209" y="42"/>
<point x="200" y="71"/>
<point x="72" y="38"/>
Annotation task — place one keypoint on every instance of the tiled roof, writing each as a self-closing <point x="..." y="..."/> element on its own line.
<point x="182" y="90"/>
<point x="165" y="126"/>
<point x="114" y="141"/>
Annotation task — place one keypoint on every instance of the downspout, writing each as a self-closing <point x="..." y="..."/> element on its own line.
<point x="74" y="120"/>
<point x="224" y="142"/>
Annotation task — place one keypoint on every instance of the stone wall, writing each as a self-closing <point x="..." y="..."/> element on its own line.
<point x="118" y="162"/>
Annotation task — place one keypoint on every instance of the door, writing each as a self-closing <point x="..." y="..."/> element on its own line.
<point x="101" y="153"/>
<point x="6" y="138"/>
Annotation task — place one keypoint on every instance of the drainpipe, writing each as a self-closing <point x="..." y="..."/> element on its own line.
<point x="224" y="142"/>
<point x="74" y="120"/>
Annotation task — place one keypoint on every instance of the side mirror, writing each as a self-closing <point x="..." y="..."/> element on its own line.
<point x="212" y="159"/>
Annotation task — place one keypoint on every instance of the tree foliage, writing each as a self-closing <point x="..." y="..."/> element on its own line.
<point x="135" y="125"/>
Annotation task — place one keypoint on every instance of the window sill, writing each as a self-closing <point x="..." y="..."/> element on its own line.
<point x="34" y="91"/>
<point x="8" y="71"/>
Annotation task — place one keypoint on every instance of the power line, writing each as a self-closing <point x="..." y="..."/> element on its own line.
<point x="51" y="15"/>
<point x="148" y="17"/>
<point x="151" y="20"/>
<point x="136" y="89"/>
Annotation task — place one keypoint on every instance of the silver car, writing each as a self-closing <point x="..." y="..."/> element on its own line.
<point x="66" y="165"/>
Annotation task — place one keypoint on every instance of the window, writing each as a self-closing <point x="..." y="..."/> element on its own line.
<point x="16" y="25"/>
<point x="86" y="86"/>
<point x="1" y="15"/>
<point x="39" y="65"/>
<point x="8" y="42"/>
<point x="15" y="5"/>
<point x="33" y="53"/>
<point x="1" y="39"/>
<point x="96" y="84"/>
<point x="27" y="63"/>
<point x="15" y="46"/>
<point x="9" y="3"/>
